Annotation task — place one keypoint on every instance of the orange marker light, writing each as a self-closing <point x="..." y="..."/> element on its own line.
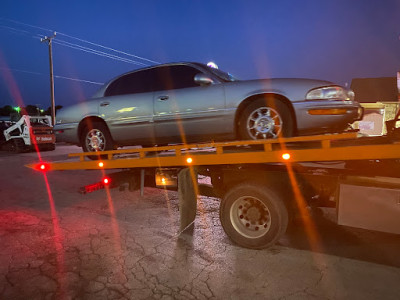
<point x="101" y="164"/>
<point x="286" y="156"/>
<point x="189" y="160"/>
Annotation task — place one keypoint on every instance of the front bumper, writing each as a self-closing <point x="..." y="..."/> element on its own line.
<point x="328" y="116"/>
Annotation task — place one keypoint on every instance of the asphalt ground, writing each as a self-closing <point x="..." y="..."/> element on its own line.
<point x="58" y="244"/>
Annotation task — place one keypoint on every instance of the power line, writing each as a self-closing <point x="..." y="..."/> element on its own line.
<point x="19" y="31"/>
<point x="80" y="80"/>
<point x="20" y="23"/>
<point x="97" y="52"/>
<point x="22" y="71"/>
<point x="108" y="48"/>
<point x="75" y="46"/>
<point x="55" y="76"/>
<point x="86" y="41"/>
<point x="15" y="29"/>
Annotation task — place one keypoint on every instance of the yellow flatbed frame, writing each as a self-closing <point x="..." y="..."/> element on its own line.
<point x="336" y="147"/>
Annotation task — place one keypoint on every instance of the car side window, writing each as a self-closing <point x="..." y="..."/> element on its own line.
<point x="174" y="77"/>
<point x="133" y="83"/>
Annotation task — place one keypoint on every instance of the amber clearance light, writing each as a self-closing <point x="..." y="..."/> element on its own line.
<point x="330" y="111"/>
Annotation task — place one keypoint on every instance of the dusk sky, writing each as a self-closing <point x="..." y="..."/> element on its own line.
<point x="322" y="39"/>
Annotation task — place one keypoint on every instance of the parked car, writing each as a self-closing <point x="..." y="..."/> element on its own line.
<point x="192" y="102"/>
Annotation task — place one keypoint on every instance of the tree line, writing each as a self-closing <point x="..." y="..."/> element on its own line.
<point x="31" y="110"/>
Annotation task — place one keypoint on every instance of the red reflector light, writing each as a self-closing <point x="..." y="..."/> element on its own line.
<point x="106" y="180"/>
<point x="42" y="167"/>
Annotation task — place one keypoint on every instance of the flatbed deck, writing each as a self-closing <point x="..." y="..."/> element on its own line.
<point x="321" y="148"/>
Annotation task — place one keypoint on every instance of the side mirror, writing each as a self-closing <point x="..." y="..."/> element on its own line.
<point x="203" y="79"/>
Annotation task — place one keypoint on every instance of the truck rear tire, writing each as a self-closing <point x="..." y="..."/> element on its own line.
<point x="253" y="215"/>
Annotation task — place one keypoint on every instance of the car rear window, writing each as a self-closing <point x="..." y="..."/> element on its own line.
<point x="133" y="83"/>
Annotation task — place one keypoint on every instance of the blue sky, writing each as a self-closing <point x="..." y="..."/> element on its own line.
<point x="332" y="40"/>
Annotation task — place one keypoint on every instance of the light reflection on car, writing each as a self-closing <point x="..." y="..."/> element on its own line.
<point x="192" y="102"/>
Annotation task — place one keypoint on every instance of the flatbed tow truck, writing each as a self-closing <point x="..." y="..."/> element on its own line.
<point x="264" y="184"/>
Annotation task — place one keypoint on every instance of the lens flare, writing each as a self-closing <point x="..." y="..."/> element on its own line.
<point x="42" y="166"/>
<point x="106" y="180"/>
<point x="58" y="240"/>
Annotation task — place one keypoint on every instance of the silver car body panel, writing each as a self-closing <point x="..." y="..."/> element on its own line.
<point x="192" y="111"/>
<point x="128" y="115"/>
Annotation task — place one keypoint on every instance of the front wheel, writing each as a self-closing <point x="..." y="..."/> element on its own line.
<point x="265" y="118"/>
<point x="253" y="215"/>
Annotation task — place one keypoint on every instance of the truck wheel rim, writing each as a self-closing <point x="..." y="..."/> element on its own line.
<point x="264" y="123"/>
<point x="95" y="140"/>
<point x="250" y="217"/>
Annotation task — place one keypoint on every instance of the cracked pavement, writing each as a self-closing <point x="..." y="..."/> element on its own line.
<point x="58" y="244"/>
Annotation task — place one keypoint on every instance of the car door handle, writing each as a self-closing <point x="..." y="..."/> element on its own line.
<point x="163" y="98"/>
<point x="104" y="103"/>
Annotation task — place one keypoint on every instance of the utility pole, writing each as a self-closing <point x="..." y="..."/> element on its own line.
<point x="53" y="107"/>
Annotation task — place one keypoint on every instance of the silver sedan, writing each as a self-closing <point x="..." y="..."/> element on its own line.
<point x="193" y="102"/>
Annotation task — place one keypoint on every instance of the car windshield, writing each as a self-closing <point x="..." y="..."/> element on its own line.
<point x="224" y="76"/>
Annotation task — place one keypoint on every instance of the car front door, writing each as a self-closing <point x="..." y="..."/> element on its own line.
<point x="185" y="111"/>
<point x="127" y="108"/>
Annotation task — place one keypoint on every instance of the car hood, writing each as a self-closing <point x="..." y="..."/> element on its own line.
<point x="294" y="89"/>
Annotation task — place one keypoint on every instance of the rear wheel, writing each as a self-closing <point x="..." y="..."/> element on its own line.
<point x="265" y="118"/>
<point x="95" y="138"/>
<point x="253" y="215"/>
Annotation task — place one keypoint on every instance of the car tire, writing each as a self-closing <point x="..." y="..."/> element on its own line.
<point x="96" y="137"/>
<point x="253" y="215"/>
<point x="265" y="118"/>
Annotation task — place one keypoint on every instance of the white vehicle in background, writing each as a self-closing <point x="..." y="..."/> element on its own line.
<point x="28" y="133"/>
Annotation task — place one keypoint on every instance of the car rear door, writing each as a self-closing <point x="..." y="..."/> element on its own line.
<point x="128" y="108"/>
<point x="183" y="110"/>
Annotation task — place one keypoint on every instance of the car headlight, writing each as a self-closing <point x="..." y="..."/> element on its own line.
<point x="330" y="93"/>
